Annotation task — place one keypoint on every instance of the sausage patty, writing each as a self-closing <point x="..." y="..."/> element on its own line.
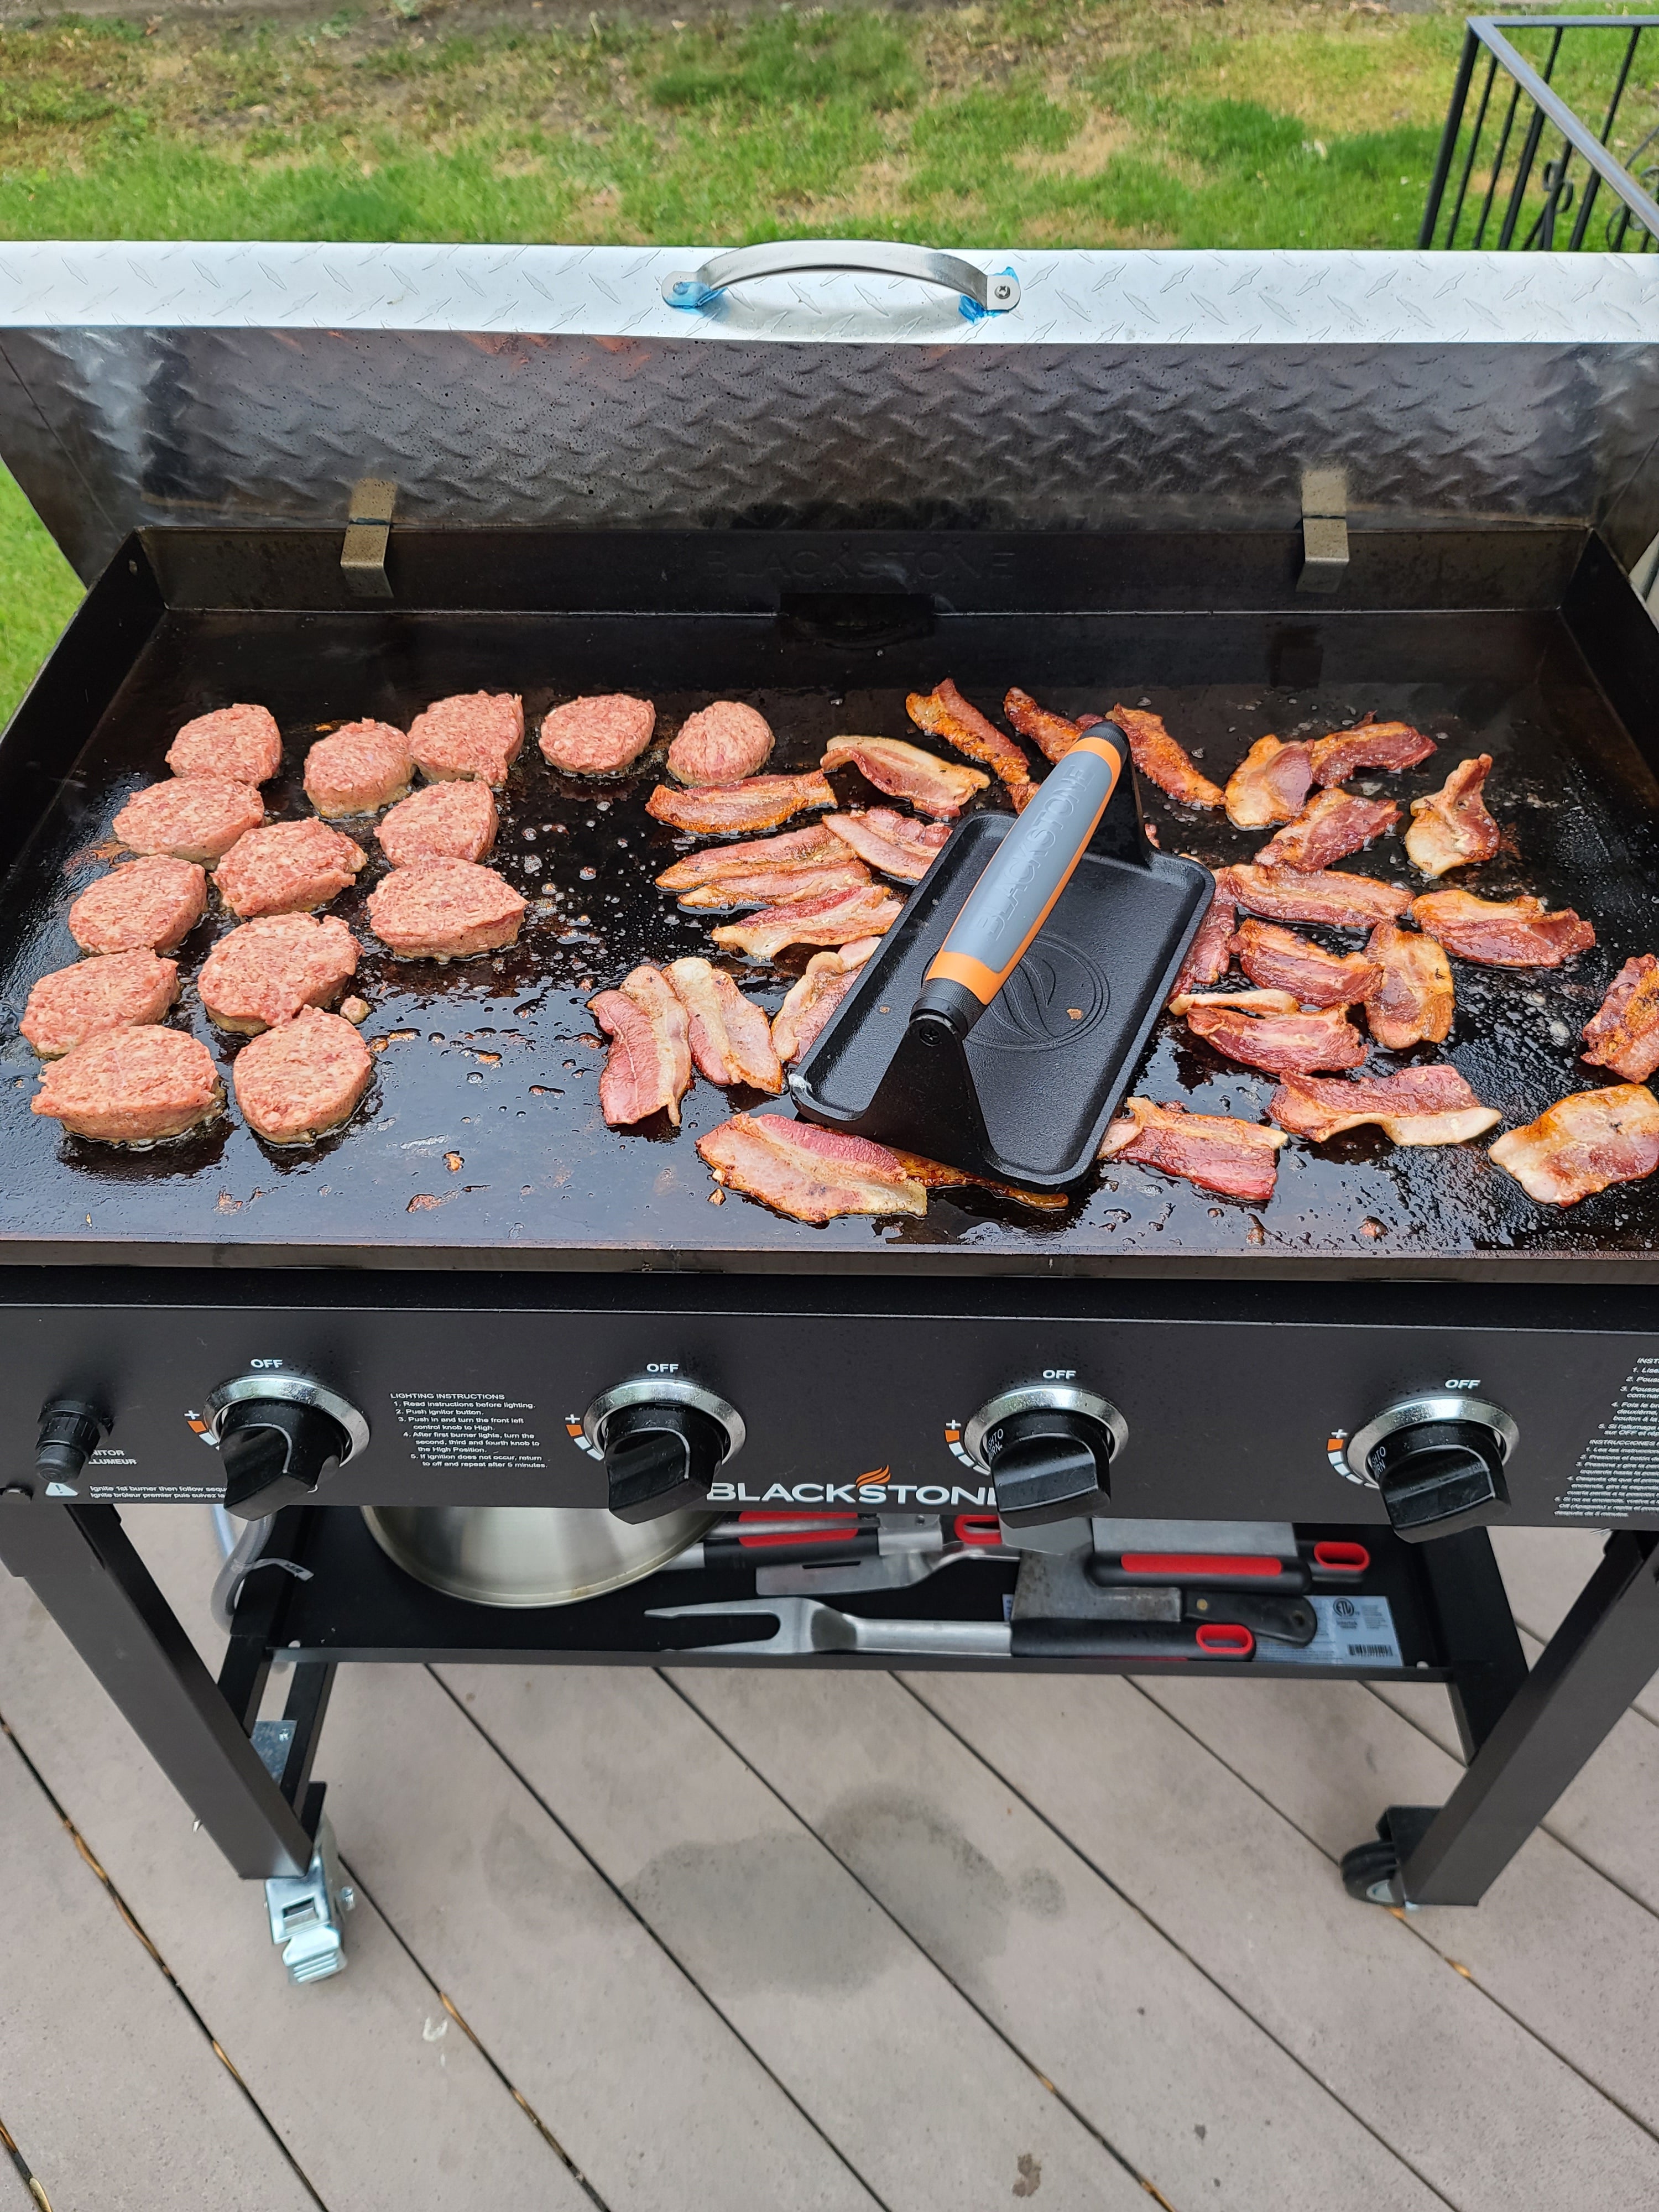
<point x="242" y="744"/>
<point x="302" y="1077"/>
<point x="444" y="910"/>
<point x="73" y="1004"/>
<point x="266" y="970"/>
<point x="440" y="822"/>
<point x="599" y="736"/>
<point x="722" y="744"/>
<point x="132" y="1086"/>
<point x="359" y="769"/>
<point x="194" y="818"/>
<point x="149" y="906"/>
<point x="288" y="868"/>
<point x="477" y="733"/>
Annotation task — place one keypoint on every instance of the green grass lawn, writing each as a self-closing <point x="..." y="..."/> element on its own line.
<point x="1020" y="122"/>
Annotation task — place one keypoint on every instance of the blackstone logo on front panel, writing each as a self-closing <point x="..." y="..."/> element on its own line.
<point x="874" y="1487"/>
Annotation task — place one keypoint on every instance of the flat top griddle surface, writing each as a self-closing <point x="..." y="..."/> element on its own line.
<point x="481" y="1143"/>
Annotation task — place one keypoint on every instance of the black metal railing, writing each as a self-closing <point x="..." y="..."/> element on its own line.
<point x="1518" y="168"/>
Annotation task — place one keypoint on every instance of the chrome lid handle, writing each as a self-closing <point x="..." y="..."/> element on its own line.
<point x="980" y="295"/>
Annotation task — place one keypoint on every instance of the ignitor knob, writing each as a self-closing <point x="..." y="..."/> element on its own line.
<point x="1437" y="1462"/>
<point x="1048" y="1450"/>
<point x="663" y="1440"/>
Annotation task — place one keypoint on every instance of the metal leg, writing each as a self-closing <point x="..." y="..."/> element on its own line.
<point x="1600" y="1658"/>
<point x="81" y="1566"/>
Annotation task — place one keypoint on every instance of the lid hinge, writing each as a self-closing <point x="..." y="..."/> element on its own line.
<point x="1324" y="530"/>
<point x="368" y="527"/>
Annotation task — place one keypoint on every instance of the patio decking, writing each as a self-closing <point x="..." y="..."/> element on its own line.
<point x="706" y="1942"/>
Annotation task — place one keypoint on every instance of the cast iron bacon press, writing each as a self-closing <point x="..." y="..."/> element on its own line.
<point x="997" y="1027"/>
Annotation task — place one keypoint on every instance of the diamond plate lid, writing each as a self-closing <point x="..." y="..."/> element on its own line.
<point x="565" y="387"/>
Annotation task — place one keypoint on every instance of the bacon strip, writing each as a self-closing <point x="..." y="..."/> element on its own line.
<point x="1450" y="828"/>
<point x="1240" y="1159"/>
<point x="811" y="1001"/>
<point x="933" y="1174"/>
<point x="868" y="910"/>
<point x="1502" y="934"/>
<point x="896" y="843"/>
<point x="1162" y="760"/>
<point x="793" y="849"/>
<point x="1251" y="1002"/>
<point x="1418" y="1106"/>
<point x="1268" y="785"/>
<point x="1623" y="1032"/>
<point x="775" y="886"/>
<point x="1210" y="954"/>
<point x="1413" y="1001"/>
<point x="759" y="802"/>
<point x="1283" y="1043"/>
<point x="808" y="1173"/>
<point x="1333" y="897"/>
<point x="730" y="1038"/>
<point x="944" y="712"/>
<point x="1053" y="734"/>
<point x="904" y="771"/>
<point x="1584" y="1142"/>
<point x="1278" y="959"/>
<point x="649" y="1069"/>
<point x="1367" y="744"/>
<point x="1328" y="828"/>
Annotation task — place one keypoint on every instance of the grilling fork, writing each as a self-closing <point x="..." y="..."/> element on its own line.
<point x="805" y="1626"/>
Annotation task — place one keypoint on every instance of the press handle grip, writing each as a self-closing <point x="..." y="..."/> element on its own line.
<point x="982" y="294"/>
<point x="1023" y="879"/>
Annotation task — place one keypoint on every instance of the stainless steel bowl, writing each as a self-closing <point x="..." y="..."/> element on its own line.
<point x="527" y="1554"/>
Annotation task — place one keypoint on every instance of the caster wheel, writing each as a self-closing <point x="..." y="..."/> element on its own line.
<point x="1369" y="1872"/>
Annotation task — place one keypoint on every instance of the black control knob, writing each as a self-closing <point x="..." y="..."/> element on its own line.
<point x="660" y="1459"/>
<point x="1049" y="1463"/>
<point x="276" y="1452"/>
<point x="1437" y="1477"/>
<point x="71" y="1429"/>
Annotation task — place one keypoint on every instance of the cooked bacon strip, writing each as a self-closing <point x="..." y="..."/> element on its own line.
<point x="759" y="802"/>
<point x="793" y="849"/>
<point x="1328" y="828"/>
<point x="1332" y="897"/>
<point x="1413" y="1001"/>
<point x="649" y="1070"/>
<point x="867" y="910"/>
<point x="904" y="771"/>
<point x="1268" y="785"/>
<point x="933" y="1174"/>
<point x="944" y="712"/>
<point x="1623" y="1033"/>
<point x="1418" y="1106"/>
<point x="1053" y="734"/>
<point x="1283" y="1043"/>
<point x="808" y="1173"/>
<point x="1252" y="1002"/>
<point x="1162" y="760"/>
<point x="1367" y="744"/>
<point x="1280" y="960"/>
<point x="1502" y="934"/>
<point x="776" y="886"/>
<point x="896" y="843"/>
<point x="730" y="1038"/>
<point x="1450" y="828"/>
<point x="810" y="1003"/>
<point x="1210" y="954"/>
<point x="1240" y="1159"/>
<point x="1584" y="1142"/>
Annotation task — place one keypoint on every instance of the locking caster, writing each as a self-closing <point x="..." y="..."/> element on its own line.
<point x="1371" y="1872"/>
<point x="305" y="1912"/>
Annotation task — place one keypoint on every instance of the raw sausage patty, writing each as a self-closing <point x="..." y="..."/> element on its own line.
<point x="597" y="737"/>
<point x="440" y="822"/>
<point x="358" y="769"/>
<point x="444" y="910"/>
<point x="194" y="818"/>
<point x="288" y="868"/>
<point x="477" y="733"/>
<point x="149" y="906"/>
<point x="242" y="744"/>
<point x="722" y="744"/>
<point x="73" y="1004"/>
<point x="301" y="1077"/>
<point x="266" y="970"/>
<point x="130" y="1086"/>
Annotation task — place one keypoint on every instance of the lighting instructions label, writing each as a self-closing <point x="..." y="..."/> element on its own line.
<point x="483" y="1430"/>
<point x="1618" y="1473"/>
<point x="1352" y="1631"/>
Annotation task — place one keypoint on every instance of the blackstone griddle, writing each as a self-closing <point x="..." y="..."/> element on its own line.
<point x="1254" y="492"/>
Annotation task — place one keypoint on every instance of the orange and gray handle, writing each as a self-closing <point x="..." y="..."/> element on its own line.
<point x="1024" y="876"/>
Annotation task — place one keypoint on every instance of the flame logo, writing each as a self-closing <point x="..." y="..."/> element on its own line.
<point x="874" y="1478"/>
